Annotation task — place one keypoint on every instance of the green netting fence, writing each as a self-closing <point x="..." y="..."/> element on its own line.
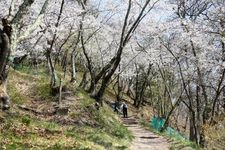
<point x="158" y="123"/>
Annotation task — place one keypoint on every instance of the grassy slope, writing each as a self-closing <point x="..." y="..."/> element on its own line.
<point x="93" y="129"/>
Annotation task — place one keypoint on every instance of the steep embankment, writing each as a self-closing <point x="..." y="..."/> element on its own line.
<point x="36" y="121"/>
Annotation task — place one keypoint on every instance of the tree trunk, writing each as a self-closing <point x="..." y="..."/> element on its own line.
<point x="171" y="112"/>
<point x="4" y="55"/>
<point x="53" y="83"/>
<point x="73" y="67"/>
<point x="144" y="86"/>
<point x="73" y="55"/>
<point x="191" y="128"/>
<point x="60" y="91"/>
<point x="99" y="94"/>
<point x="84" y="81"/>
<point x="119" y="90"/>
<point x="136" y="87"/>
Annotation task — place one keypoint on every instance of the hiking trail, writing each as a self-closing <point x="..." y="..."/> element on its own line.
<point x="144" y="139"/>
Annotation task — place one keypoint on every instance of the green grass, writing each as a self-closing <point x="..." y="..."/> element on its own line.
<point x="43" y="90"/>
<point x="32" y="71"/>
<point x="15" y="95"/>
<point x="111" y="124"/>
<point x="108" y="125"/>
<point x="24" y="130"/>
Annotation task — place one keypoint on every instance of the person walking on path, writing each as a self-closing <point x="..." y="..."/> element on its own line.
<point x="124" y="107"/>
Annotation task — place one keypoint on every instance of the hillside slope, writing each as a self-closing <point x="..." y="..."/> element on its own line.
<point x="36" y="121"/>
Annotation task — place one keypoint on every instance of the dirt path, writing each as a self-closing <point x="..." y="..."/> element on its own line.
<point x="144" y="139"/>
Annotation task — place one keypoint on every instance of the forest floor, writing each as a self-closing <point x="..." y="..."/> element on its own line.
<point x="144" y="139"/>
